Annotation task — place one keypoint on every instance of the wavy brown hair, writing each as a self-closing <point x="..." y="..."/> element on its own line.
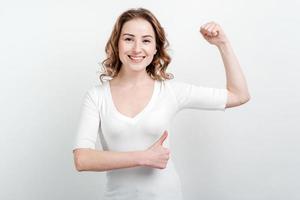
<point x="157" y="68"/>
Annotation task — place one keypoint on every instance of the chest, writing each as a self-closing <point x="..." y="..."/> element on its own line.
<point x="130" y="102"/>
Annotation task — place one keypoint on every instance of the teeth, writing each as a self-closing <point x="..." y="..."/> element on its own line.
<point x="136" y="58"/>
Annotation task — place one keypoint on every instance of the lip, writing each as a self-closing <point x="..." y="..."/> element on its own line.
<point x="136" y="59"/>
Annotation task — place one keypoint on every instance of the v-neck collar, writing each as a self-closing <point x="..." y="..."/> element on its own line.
<point x="141" y="113"/>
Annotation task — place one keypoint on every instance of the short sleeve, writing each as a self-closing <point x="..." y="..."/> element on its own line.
<point x="198" y="97"/>
<point x="89" y="121"/>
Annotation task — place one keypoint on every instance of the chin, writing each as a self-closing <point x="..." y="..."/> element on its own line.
<point x="137" y="68"/>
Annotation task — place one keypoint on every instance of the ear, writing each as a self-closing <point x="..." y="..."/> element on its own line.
<point x="155" y="51"/>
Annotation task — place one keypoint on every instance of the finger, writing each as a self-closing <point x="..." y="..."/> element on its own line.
<point x="163" y="137"/>
<point x="204" y="25"/>
<point x="167" y="150"/>
<point x="216" y="29"/>
<point x="206" y="29"/>
<point x="215" y="32"/>
<point x="204" y="32"/>
<point x="210" y="28"/>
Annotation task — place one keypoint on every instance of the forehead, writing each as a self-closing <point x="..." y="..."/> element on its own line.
<point x="138" y="27"/>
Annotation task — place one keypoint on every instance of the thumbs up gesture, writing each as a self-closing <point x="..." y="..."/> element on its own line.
<point x="156" y="155"/>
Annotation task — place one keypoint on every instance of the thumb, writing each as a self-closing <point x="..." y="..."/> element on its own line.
<point x="163" y="137"/>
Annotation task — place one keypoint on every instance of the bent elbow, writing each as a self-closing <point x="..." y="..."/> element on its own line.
<point x="78" y="161"/>
<point x="245" y="99"/>
<point x="237" y="99"/>
<point x="78" y="166"/>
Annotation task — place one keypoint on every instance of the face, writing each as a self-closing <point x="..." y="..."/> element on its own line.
<point x="137" y="44"/>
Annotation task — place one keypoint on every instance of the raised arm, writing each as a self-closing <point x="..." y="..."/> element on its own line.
<point x="238" y="93"/>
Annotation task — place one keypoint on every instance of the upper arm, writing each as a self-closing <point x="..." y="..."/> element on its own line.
<point x="198" y="97"/>
<point x="234" y="100"/>
<point x="89" y="122"/>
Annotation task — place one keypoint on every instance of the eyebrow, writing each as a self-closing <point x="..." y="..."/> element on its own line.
<point x="134" y="36"/>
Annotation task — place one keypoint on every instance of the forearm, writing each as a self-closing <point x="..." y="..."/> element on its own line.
<point x="236" y="82"/>
<point x="95" y="160"/>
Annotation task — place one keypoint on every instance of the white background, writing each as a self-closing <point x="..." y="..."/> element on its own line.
<point x="49" y="55"/>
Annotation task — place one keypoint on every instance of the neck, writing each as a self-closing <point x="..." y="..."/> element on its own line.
<point x="132" y="77"/>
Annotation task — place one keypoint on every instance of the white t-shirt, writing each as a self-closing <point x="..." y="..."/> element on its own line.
<point x="117" y="132"/>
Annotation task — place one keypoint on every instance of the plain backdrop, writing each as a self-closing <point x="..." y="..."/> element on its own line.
<point x="49" y="55"/>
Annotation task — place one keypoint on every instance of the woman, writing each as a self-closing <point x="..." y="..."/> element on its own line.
<point x="132" y="112"/>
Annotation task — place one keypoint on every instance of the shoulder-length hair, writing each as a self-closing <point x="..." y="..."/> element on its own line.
<point x="157" y="68"/>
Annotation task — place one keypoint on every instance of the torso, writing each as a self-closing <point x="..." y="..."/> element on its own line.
<point x="149" y="116"/>
<point x="130" y="101"/>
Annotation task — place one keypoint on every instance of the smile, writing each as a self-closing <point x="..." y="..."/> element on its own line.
<point x="136" y="59"/>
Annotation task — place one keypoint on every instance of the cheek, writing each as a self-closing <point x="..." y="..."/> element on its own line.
<point x="123" y="47"/>
<point x="150" y="50"/>
<point x="121" y="52"/>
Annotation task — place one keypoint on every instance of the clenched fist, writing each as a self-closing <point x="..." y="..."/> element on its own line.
<point x="213" y="33"/>
<point x="156" y="155"/>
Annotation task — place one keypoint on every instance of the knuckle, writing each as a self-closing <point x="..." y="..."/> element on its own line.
<point x="161" y="167"/>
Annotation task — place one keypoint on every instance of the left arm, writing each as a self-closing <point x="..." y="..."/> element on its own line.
<point x="238" y="93"/>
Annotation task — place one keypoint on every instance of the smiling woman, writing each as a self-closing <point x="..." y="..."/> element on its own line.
<point x="137" y="33"/>
<point x="132" y="112"/>
<point x="136" y="45"/>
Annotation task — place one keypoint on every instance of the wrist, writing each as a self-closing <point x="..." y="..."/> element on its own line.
<point x="225" y="45"/>
<point x="141" y="158"/>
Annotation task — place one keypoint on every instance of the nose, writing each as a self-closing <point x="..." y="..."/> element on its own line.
<point x="136" y="47"/>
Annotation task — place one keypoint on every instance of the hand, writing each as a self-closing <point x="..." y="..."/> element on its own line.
<point x="213" y="33"/>
<point x="156" y="155"/>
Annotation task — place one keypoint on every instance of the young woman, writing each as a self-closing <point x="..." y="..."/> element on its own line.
<point x="133" y="109"/>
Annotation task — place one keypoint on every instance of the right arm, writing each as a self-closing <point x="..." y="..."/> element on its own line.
<point x="156" y="156"/>
<point x="95" y="160"/>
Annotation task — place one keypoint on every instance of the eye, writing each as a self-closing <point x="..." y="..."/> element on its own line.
<point x="147" y="41"/>
<point x="128" y="39"/>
